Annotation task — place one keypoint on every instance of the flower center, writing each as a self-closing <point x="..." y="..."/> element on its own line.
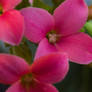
<point x="53" y="37"/>
<point x="27" y="80"/>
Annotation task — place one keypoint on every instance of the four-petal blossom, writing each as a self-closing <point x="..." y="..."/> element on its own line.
<point x="11" y="22"/>
<point x="60" y="32"/>
<point x="38" y="77"/>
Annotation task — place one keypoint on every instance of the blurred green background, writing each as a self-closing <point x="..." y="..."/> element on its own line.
<point x="79" y="78"/>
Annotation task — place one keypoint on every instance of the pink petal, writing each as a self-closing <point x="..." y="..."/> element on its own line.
<point x="9" y="4"/>
<point x="16" y="87"/>
<point x="38" y="23"/>
<point x="78" y="47"/>
<point x="12" y="68"/>
<point x="45" y="48"/>
<point x="39" y="87"/>
<point x="11" y="27"/>
<point x="70" y="16"/>
<point x="51" y="68"/>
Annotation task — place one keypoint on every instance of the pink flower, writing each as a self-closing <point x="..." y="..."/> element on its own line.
<point x="38" y="77"/>
<point x="11" y="22"/>
<point x="60" y="32"/>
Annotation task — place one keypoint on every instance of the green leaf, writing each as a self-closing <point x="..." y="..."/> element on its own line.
<point x="23" y="4"/>
<point x="82" y="30"/>
<point x="88" y="27"/>
<point x="23" y="51"/>
<point x="33" y="48"/>
<point x="57" y="2"/>
<point x="40" y="4"/>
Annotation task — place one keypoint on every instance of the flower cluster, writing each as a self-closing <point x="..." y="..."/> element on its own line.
<point x="59" y="40"/>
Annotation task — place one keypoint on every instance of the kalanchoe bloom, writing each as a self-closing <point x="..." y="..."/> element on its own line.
<point x="11" y="22"/>
<point x="60" y="32"/>
<point x="38" y="77"/>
